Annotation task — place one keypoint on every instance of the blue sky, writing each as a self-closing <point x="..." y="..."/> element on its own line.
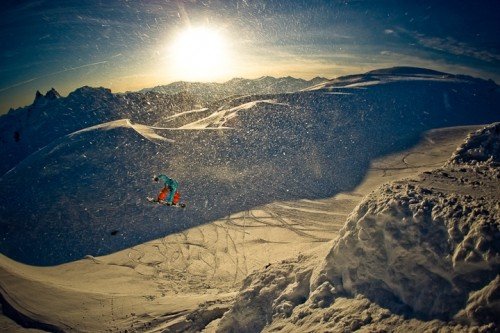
<point x="124" y="45"/>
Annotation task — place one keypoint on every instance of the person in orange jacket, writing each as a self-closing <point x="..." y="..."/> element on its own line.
<point x="169" y="192"/>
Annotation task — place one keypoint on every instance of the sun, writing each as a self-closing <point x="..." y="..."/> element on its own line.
<point x="200" y="54"/>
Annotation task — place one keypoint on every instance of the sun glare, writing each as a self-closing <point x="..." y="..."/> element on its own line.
<point x="200" y="54"/>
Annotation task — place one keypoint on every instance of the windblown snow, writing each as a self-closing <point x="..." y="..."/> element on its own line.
<point x="242" y="151"/>
<point x="219" y="118"/>
<point x="269" y="180"/>
<point x="145" y="131"/>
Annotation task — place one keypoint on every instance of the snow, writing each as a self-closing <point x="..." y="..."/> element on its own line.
<point x="207" y="93"/>
<point x="307" y="210"/>
<point x="480" y="147"/>
<point x="264" y="243"/>
<point x="219" y="118"/>
<point x="266" y="294"/>
<point x="188" y="281"/>
<point x="180" y="114"/>
<point x="414" y="243"/>
<point x="304" y="145"/>
<point x="145" y="131"/>
<point x="424" y="248"/>
<point x="388" y="76"/>
<point x="483" y="306"/>
<point x="428" y="241"/>
<point x="26" y="130"/>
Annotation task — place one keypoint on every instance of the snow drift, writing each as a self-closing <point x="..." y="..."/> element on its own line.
<point x="425" y="245"/>
<point x="482" y="147"/>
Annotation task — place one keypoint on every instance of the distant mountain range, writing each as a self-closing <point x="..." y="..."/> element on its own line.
<point x="210" y="92"/>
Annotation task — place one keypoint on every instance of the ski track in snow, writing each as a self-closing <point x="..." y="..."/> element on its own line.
<point x="210" y="261"/>
<point x="309" y="220"/>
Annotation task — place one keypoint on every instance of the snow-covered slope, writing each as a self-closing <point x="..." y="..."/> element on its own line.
<point x="480" y="148"/>
<point x="391" y="75"/>
<point x="185" y="281"/>
<point x="70" y="195"/>
<point x="248" y="151"/>
<point x="417" y="254"/>
<point x="25" y="130"/>
<point x="87" y="184"/>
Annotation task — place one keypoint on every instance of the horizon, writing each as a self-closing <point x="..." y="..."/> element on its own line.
<point x="65" y="94"/>
<point x="127" y="47"/>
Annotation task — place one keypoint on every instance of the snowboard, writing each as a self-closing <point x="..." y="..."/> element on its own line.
<point x="153" y="200"/>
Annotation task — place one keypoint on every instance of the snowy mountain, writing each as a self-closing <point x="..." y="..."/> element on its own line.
<point x="396" y="74"/>
<point x="211" y="92"/>
<point x="25" y="130"/>
<point x="248" y="151"/>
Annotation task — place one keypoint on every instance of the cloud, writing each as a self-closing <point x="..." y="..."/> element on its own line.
<point x="451" y="46"/>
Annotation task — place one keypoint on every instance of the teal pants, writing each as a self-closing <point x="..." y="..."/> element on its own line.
<point x="173" y="188"/>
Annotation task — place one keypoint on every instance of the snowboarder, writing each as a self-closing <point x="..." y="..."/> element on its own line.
<point x="170" y="187"/>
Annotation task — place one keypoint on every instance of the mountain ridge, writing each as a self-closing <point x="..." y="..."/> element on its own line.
<point x="399" y="73"/>
<point x="294" y="83"/>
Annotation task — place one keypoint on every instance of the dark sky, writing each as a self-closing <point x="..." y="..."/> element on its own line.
<point x="129" y="45"/>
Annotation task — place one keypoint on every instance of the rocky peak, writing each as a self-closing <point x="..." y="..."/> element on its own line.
<point x="52" y="94"/>
<point x="38" y="96"/>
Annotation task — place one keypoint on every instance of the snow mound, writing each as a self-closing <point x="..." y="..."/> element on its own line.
<point x="482" y="146"/>
<point x="425" y="243"/>
<point x="267" y="295"/>
<point x="483" y="305"/>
